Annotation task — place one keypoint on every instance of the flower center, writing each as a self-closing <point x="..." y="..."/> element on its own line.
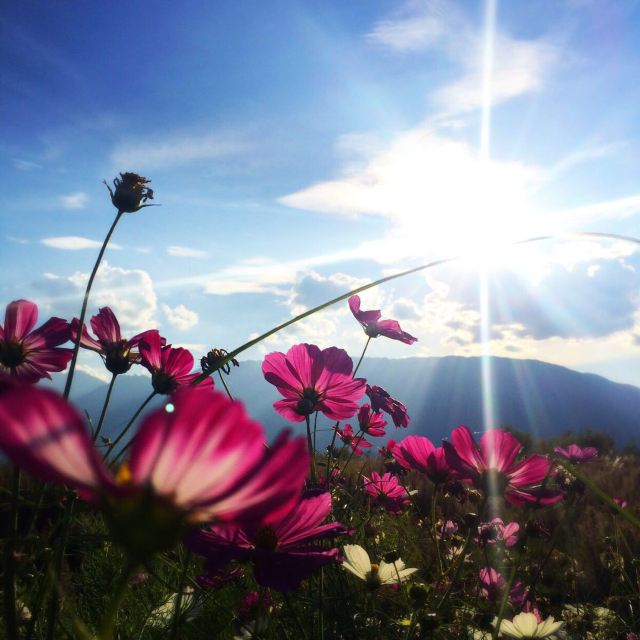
<point x="373" y="578"/>
<point x="117" y="357"/>
<point x="308" y="401"/>
<point x="493" y="482"/>
<point x="12" y="354"/>
<point x="163" y="383"/>
<point x="371" y="330"/>
<point x="266" y="539"/>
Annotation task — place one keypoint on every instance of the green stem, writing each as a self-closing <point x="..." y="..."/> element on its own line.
<point x="434" y="531"/>
<point x="105" y="406"/>
<point x="10" y="561"/>
<point x="109" y="621"/>
<point x="126" y="429"/>
<point x="224" y="384"/>
<point x="315" y="429"/>
<point x="366" y="344"/>
<point x="175" y="626"/>
<point x="503" y="601"/>
<point x="312" y="470"/>
<point x="85" y="302"/>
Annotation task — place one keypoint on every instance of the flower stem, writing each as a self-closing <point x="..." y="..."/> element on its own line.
<point x="85" y="301"/>
<point x="109" y="621"/>
<point x="224" y="384"/>
<point x="311" y="451"/>
<point x="129" y="424"/>
<point x="105" y="406"/>
<point x="176" y="613"/>
<point x="9" y="559"/>
<point x="366" y="344"/>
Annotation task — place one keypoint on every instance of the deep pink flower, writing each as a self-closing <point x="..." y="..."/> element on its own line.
<point x="206" y="460"/>
<point x="30" y="355"/>
<point x="497" y="531"/>
<point x="117" y="352"/>
<point x="372" y="424"/>
<point x="419" y="453"/>
<point x="170" y="367"/>
<point x="382" y="401"/>
<point x="492" y="585"/>
<point x="389" y="460"/>
<point x="374" y="327"/>
<point x="387" y="491"/>
<point x="492" y="467"/>
<point x="621" y="502"/>
<point x="313" y="380"/>
<point x="283" y="552"/>
<point x="357" y="443"/>
<point x="574" y="453"/>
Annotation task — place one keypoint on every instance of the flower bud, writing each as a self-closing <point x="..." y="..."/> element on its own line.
<point x="131" y="192"/>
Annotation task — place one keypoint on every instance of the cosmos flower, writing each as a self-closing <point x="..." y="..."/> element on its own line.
<point x="284" y="551"/>
<point x="374" y="327"/>
<point x="356" y="560"/>
<point x="387" y="491"/>
<point x="357" y="443"/>
<point x="28" y="355"/>
<point x="492" y="467"/>
<point x="574" y="453"/>
<point x="492" y="585"/>
<point x="118" y="353"/>
<point x="371" y="423"/>
<point x="203" y="461"/>
<point x="419" y="453"/>
<point x="382" y="401"/>
<point x="525" y="625"/>
<point x="313" y="380"/>
<point x="170" y="367"/>
<point x="497" y="531"/>
<point x="131" y="192"/>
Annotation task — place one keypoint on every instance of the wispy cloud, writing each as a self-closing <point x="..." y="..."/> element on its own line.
<point x="178" y="251"/>
<point x="180" y="317"/>
<point x="25" y="165"/>
<point x="77" y="200"/>
<point x="74" y="243"/>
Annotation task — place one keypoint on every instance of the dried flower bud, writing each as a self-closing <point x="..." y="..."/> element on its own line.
<point x="131" y="192"/>
<point x="210" y="362"/>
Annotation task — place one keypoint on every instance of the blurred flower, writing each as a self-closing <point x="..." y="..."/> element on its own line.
<point x="492" y="467"/>
<point x="382" y="401"/>
<point x="496" y="531"/>
<point x="131" y="192"/>
<point x="447" y="530"/>
<point x="574" y="453"/>
<point x="283" y="550"/>
<point x="492" y="584"/>
<point x="313" y="380"/>
<point x="621" y="502"/>
<point x="163" y="615"/>
<point x="204" y="461"/>
<point x="357" y="443"/>
<point x="170" y="367"/>
<point x="372" y="424"/>
<point x="374" y="327"/>
<point x="525" y="625"/>
<point x="28" y="355"/>
<point x="420" y="454"/>
<point x="387" y="491"/>
<point x="357" y="562"/>
<point x="117" y="352"/>
<point x="253" y="604"/>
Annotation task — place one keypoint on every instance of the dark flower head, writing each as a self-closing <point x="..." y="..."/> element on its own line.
<point x="211" y="362"/>
<point x="131" y="192"/>
<point x="382" y="401"/>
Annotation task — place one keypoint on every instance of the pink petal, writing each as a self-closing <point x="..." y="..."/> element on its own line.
<point x="416" y="451"/>
<point x="530" y="471"/>
<point x="364" y="317"/>
<point x="20" y="317"/>
<point x="86" y="340"/>
<point x="176" y="362"/>
<point x="150" y="344"/>
<point x="499" y="449"/>
<point x="106" y="326"/>
<point x="53" y="332"/>
<point x="278" y="371"/>
<point x="391" y="329"/>
<point x="467" y="449"/>
<point x="287" y="409"/>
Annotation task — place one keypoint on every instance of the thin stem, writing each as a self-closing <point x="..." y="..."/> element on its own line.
<point x="85" y="302"/>
<point x="176" y="613"/>
<point x="109" y="621"/>
<point x="434" y="531"/>
<point x="366" y="344"/>
<point x="105" y="406"/>
<point x="315" y="429"/>
<point x="503" y="601"/>
<point x="311" y="451"/>
<point x="129" y="424"/>
<point x="10" y="561"/>
<point x="224" y="384"/>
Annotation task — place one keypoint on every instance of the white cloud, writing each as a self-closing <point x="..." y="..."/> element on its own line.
<point x="25" y="165"/>
<point x="178" y="251"/>
<point x="180" y="317"/>
<point x="75" y="243"/>
<point x="413" y="33"/>
<point x="77" y="200"/>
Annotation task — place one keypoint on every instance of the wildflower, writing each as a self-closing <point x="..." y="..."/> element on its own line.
<point x="574" y="453"/>
<point x="371" y="423"/>
<point x="387" y="491"/>
<point x="170" y="367"/>
<point x="204" y="461"/>
<point x="492" y="467"/>
<point x="118" y="353"/>
<point x="357" y="562"/>
<point x="621" y="502"/>
<point x="496" y="531"/>
<point x="283" y="550"/>
<point x="374" y="327"/>
<point x="382" y="401"/>
<point x="313" y="380"/>
<point x="420" y="454"/>
<point x="131" y="192"/>
<point x="525" y="625"/>
<point x="447" y="530"/>
<point x="28" y="355"/>
<point x="492" y="584"/>
<point x="357" y="443"/>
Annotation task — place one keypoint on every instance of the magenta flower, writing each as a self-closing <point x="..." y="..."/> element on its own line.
<point x="118" y="353"/>
<point x="372" y="424"/>
<point x="374" y="327"/>
<point x="204" y="461"/>
<point x="492" y="585"/>
<point x="313" y="380"/>
<point x="497" y="531"/>
<point x="30" y="355"/>
<point x="419" y="453"/>
<point x="357" y="443"/>
<point x="283" y="551"/>
<point x="492" y="467"/>
<point x="387" y="491"/>
<point x="574" y="453"/>
<point x="170" y="367"/>
<point x="447" y="530"/>
<point x="382" y="401"/>
<point x="621" y="502"/>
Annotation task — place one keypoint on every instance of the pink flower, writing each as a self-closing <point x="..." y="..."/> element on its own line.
<point x="387" y="491"/>
<point x="382" y="401"/>
<point x="313" y="380"/>
<point x="492" y="467"/>
<point x="30" y="355"/>
<point x="621" y="502"/>
<point x="117" y="352"/>
<point x="492" y="584"/>
<point x="419" y="453"/>
<point x="372" y="424"/>
<point x="374" y="327"/>
<point x="447" y="530"/>
<point x="204" y="461"/>
<point x="169" y="367"/>
<point x="574" y="453"/>
<point x="357" y="443"/>
<point x="283" y="552"/>
<point x="391" y="464"/>
<point x="497" y="531"/>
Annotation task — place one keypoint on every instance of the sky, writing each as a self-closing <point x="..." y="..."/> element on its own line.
<point x="301" y="149"/>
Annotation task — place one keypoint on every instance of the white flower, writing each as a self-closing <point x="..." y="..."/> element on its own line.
<point x="357" y="561"/>
<point x="526" y="625"/>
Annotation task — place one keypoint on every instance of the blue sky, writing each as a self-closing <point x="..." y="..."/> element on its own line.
<point x="300" y="149"/>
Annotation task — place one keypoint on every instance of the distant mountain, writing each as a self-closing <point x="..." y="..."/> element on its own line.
<point x="440" y="394"/>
